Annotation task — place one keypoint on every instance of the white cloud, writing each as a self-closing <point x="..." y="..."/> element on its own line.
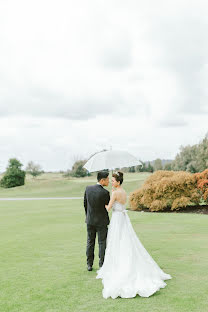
<point x="76" y="77"/>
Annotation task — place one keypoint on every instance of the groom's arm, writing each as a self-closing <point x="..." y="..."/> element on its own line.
<point x="107" y="199"/>
<point x="85" y="203"/>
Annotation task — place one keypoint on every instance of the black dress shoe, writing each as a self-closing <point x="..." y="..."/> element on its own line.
<point x="89" y="268"/>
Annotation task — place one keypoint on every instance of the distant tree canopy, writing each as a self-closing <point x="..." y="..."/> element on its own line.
<point x="150" y="168"/>
<point x="131" y="169"/>
<point x="77" y="170"/>
<point x="192" y="158"/>
<point x="144" y="167"/>
<point x="167" y="167"/>
<point x="158" y="164"/>
<point x="34" y="169"/>
<point x="14" y="175"/>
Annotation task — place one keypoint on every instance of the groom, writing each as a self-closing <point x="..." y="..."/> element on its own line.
<point x="97" y="219"/>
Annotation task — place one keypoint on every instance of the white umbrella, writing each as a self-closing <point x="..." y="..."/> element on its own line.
<point x="111" y="160"/>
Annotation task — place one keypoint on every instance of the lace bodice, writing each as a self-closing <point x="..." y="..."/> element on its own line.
<point x="118" y="207"/>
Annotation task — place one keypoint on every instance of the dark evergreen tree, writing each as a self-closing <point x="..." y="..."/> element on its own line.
<point x="150" y="168"/>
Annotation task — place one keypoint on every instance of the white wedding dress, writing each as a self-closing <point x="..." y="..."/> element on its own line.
<point x="128" y="269"/>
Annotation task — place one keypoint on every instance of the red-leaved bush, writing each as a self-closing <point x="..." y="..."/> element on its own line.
<point x="166" y="189"/>
<point x="202" y="183"/>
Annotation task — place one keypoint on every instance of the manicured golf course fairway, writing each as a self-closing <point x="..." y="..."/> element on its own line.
<point x="43" y="261"/>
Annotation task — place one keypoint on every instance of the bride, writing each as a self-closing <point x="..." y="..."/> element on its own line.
<point x="128" y="269"/>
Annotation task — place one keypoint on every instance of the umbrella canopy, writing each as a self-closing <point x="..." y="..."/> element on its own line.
<point x="111" y="160"/>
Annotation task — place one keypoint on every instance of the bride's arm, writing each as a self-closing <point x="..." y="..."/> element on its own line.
<point x="113" y="198"/>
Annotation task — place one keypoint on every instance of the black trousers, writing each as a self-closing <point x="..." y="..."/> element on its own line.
<point x="91" y="237"/>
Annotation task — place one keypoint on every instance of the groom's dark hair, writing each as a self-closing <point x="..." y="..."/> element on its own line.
<point x="102" y="175"/>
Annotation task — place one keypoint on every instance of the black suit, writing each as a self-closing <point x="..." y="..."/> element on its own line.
<point x="97" y="219"/>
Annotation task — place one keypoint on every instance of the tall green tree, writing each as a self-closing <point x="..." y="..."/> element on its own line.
<point x="192" y="158"/>
<point x="14" y="175"/>
<point x="150" y="168"/>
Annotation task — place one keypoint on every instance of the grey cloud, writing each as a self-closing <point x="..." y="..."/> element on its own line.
<point x="48" y="103"/>
<point x="179" y="35"/>
<point x="114" y="47"/>
<point x="183" y="40"/>
<point x="167" y="123"/>
<point x="117" y="57"/>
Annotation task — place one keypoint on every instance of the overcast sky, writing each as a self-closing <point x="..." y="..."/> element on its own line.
<point x="80" y="76"/>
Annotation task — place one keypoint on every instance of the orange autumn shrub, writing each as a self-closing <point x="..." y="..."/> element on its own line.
<point x="166" y="189"/>
<point x="202" y="183"/>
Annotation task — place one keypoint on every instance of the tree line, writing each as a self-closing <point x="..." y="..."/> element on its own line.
<point x="190" y="159"/>
<point x="15" y="175"/>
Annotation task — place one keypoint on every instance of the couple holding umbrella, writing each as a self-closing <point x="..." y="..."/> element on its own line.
<point x="125" y="266"/>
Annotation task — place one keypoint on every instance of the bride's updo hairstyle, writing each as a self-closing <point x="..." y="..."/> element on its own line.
<point x="118" y="175"/>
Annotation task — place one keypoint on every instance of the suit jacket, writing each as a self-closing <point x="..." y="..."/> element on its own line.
<point x="95" y="199"/>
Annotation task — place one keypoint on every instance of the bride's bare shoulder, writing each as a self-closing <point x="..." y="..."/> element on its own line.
<point x="115" y="193"/>
<point x="123" y="191"/>
<point x="119" y="193"/>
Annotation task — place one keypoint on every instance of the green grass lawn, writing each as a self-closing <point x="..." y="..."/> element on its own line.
<point x="54" y="185"/>
<point x="43" y="262"/>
